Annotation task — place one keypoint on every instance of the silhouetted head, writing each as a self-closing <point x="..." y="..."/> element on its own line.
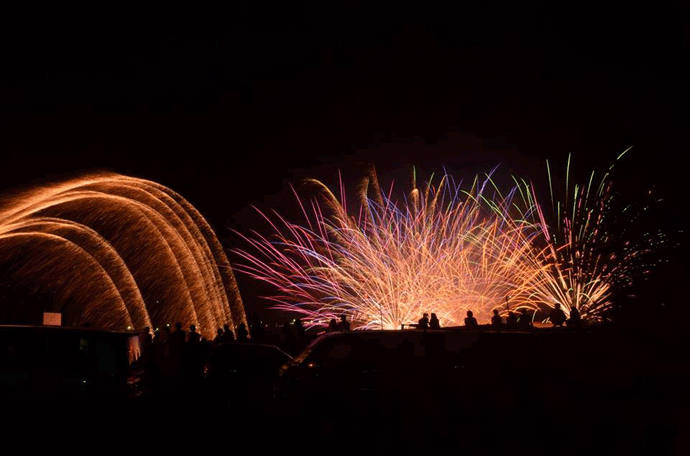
<point x="343" y="317"/>
<point x="433" y="315"/>
<point x="495" y="312"/>
<point x="557" y="305"/>
<point x="425" y="315"/>
<point x="220" y="331"/>
<point x="178" y="325"/>
<point x="147" y="330"/>
<point x="192" y="328"/>
<point x="226" y="328"/>
<point x="469" y="313"/>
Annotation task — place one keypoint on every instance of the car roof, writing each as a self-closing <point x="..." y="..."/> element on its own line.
<point x="247" y="348"/>
<point x="56" y="330"/>
<point x="455" y="337"/>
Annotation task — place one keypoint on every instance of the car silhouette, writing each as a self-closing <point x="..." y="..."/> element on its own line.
<point x="244" y="372"/>
<point x="388" y="377"/>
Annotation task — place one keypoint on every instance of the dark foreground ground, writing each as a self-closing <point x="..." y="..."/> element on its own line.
<point x="615" y="391"/>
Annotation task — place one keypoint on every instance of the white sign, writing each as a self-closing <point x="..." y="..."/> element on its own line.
<point x="52" y="319"/>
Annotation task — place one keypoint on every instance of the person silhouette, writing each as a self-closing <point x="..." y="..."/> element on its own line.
<point x="163" y="336"/>
<point x="242" y="333"/>
<point x="470" y="321"/>
<point x="178" y="337"/>
<point x="193" y="337"/>
<point x="525" y="321"/>
<point x="228" y="335"/>
<point x="423" y="322"/>
<point x="344" y="325"/>
<point x="496" y="321"/>
<point x="257" y="328"/>
<point x="434" y="323"/>
<point x="511" y="321"/>
<point x="288" y="337"/>
<point x="220" y="337"/>
<point x="574" y="320"/>
<point x="557" y="316"/>
<point x="333" y="325"/>
<point x="299" y="330"/>
<point x="148" y="338"/>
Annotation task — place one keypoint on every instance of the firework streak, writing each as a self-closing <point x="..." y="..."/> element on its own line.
<point x="115" y="252"/>
<point x="442" y="248"/>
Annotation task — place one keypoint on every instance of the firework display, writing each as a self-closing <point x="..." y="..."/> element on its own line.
<point x="443" y="248"/>
<point x="114" y="252"/>
<point x="591" y="252"/>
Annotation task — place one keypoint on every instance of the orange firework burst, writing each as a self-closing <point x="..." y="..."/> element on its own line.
<point x="442" y="249"/>
<point x="115" y="252"/>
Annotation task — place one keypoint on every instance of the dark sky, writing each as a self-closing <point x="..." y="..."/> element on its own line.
<point x="229" y="104"/>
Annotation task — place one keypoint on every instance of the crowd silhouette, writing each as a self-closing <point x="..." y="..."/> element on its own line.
<point x="519" y="322"/>
<point x="514" y="321"/>
<point x="176" y="359"/>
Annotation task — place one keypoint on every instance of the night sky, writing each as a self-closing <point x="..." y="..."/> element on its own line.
<point x="228" y="105"/>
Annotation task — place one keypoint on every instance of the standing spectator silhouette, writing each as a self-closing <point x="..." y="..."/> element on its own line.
<point x="299" y="329"/>
<point x="148" y="338"/>
<point x="332" y="325"/>
<point x="177" y="357"/>
<point x="423" y="322"/>
<point x="470" y="321"/>
<point x="193" y="358"/>
<point x="193" y="337"/>
<point x="344" y="325"/>
<point x="511" y="321"/>
<point x="242" y="333"/>
<point x="574" y="321"/>
<point x="288" y="338"/>
<point x="228" y="335"/>
<point x="525" y="321"/>
<point x="434" y="323"/>
<point x="163" y="337"/>
<point x="557" y="316"/>
<point x="220" y="337"/>
<point x="496" y="321"/>
<point x="178" y="338"/>
<point x="257" y="328"/>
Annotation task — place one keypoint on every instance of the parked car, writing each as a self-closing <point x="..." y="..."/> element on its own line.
<point x="59" y="365"/>
<point x="376" y="377"/>
<point x="244" y="372"/>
